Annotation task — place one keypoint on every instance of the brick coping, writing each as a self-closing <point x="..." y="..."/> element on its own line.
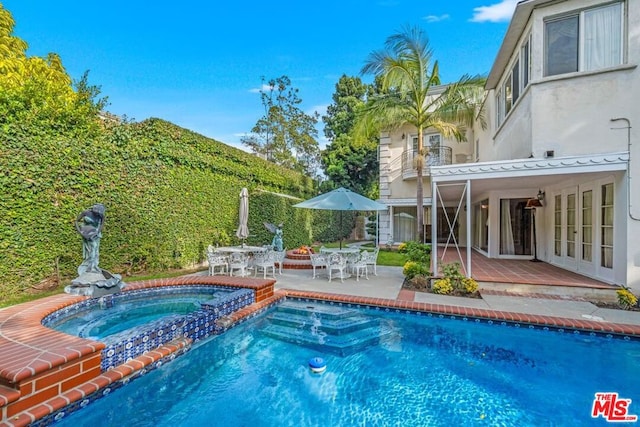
<point x="30" y="314"/>
<point x="29" y="350"/>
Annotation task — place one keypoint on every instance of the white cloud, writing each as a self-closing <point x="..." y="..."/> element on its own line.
<point x="264" y="87"/>
<point x="434" y="18"/>
<point x="499" y="12"/>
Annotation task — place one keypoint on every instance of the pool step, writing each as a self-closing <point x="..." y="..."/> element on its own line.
<point x="324" y="311"/>
<point x="327" y="328"/>
<point x="330" y="326"/>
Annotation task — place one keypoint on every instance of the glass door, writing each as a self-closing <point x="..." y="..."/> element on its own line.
<point x="586" y="230"/>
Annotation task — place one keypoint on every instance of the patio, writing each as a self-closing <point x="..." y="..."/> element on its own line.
<point x="525" y="272"/>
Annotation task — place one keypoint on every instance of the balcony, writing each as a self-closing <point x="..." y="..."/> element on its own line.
<point x="435" y="157"/>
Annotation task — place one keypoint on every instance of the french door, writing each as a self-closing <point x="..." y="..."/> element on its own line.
<point x="583" y="229"/>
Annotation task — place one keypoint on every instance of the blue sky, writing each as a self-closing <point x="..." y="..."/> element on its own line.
<point x="199" y="63"/>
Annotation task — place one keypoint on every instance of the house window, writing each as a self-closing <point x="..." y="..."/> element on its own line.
<point x="557" y="226"/>
<point x="499" y="113"/>
<point x="515" y="227"/>
<point x="606" y="244"/>
<point x="481" y="225"/>
<point x="526" y="64"/>
<point x="588" y="40"/>
<point x="404" y="223"/>
<point x="430" y="141"/>
<point x="587" y="226"/>
<point x="515" y="83"/>
<point x="508" y="94"/>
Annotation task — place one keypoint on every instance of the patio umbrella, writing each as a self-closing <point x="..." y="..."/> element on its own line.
<point x="243" y="229"/>
<point x="341" y="199"/>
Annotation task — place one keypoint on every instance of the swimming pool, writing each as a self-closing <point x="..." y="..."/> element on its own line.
<point x="422" y="370"/>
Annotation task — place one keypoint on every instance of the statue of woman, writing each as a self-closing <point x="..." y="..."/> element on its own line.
<point x="276" y="242"/>
<point x="89" y="224"/>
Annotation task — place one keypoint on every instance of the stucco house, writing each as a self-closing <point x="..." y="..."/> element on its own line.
<point x="555" y="174"/>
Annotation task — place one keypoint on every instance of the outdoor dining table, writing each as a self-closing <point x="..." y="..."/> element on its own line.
<point x="340" y="251"/>
<point x="243" y="249"/>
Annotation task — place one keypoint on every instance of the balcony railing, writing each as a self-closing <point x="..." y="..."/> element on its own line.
<point x="435" y="157"/>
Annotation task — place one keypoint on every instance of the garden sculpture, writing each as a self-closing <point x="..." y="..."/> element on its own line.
<point x="92" y="280"/>
<point x="276" y="242"/>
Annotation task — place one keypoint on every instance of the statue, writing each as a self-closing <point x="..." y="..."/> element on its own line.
<point x="92" y="280"/>
<point x="89" y="225"/>
<point x="276" y="242"/>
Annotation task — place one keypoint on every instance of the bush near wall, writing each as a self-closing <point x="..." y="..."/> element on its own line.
<point x="169" y="193"/>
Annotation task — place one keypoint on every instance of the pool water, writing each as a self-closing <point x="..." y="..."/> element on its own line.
<point x="423" y="371"/>
<point x="99" y="323"/>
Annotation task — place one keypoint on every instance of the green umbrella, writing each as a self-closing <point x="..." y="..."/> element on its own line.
<point x="341" y="199"/>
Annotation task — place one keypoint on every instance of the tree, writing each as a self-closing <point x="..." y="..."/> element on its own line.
<point x="348" y="162"/>
<point x="407" y="73"/>
<point x="38" y="90"/>
<point x="285" y="135"/>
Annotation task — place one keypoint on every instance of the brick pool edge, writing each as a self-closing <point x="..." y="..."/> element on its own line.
<point x="43" y="370"/>
<point x="28" y="317"/>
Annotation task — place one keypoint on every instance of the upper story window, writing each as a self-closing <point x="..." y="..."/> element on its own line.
<point x="587" y="40"/>
<point x="430" y="141"/>
<point x="515" y="83"/>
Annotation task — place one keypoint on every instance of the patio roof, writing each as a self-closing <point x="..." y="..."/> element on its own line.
<point x="524" y="173"/>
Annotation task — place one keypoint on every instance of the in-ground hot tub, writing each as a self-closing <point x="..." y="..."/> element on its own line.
<point x="131" y="323"/>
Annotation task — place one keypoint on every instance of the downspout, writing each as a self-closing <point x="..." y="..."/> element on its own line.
<point x="628" y="127"/>
<point x="434" y="228"/>
<point x="468" y="219"/>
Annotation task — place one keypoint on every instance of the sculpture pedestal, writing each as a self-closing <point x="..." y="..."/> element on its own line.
<point x="95" y="285"/>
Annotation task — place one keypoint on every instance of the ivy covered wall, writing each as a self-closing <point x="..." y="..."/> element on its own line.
<point x="169" y="193"/>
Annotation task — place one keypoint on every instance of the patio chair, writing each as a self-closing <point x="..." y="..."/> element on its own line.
<point x="318" y="261"/>
<point x="217" y="260"/>
<point x="264" y="261"/>
<point x="238" y="261"/>
<point x="278" y="258"/>
<point x="359" y="265"/>
<point x="372" y="259"/>
<point x="336" y="262"/>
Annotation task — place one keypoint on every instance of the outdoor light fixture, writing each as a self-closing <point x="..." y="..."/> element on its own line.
<point x="532" y="204"/>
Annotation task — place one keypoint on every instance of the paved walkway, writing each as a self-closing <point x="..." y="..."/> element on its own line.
<point x="388" y="284"/>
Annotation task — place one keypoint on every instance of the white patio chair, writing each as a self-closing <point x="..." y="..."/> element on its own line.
<point x="217" y="260"/>
<point x="359" y="265"/>
<point x="318" y="261"/>
<point x="336" y="262"/>
<point x="238" y="261"/>
<point x="372" y="259"/>
<point x="278" y="259"/>
<point x="264" y="261"/>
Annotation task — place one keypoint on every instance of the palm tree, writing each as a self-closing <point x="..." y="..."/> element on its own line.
<point x="407" y="74"/>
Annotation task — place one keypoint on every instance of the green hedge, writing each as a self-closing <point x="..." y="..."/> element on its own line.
<point x="169" y="193"/>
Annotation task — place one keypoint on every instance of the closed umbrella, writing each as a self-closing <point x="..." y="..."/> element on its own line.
<point x="341" y="199"/>
<point x="243" y="230"/>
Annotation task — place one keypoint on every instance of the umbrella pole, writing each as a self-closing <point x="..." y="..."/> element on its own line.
<point x="340" y="230"/>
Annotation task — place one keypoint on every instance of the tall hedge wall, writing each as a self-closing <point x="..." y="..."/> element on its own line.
<point x="169" y="193"/>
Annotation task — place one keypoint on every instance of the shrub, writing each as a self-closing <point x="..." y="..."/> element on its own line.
<point x="464" y="285"/>
<point x="442" y="286"/>
<point x="419" y="252"/>
<point x="412" y="269"/>
<point x="626" y="298"/>
<point x="418" y="259"/>
<point x="469" y="285"/>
